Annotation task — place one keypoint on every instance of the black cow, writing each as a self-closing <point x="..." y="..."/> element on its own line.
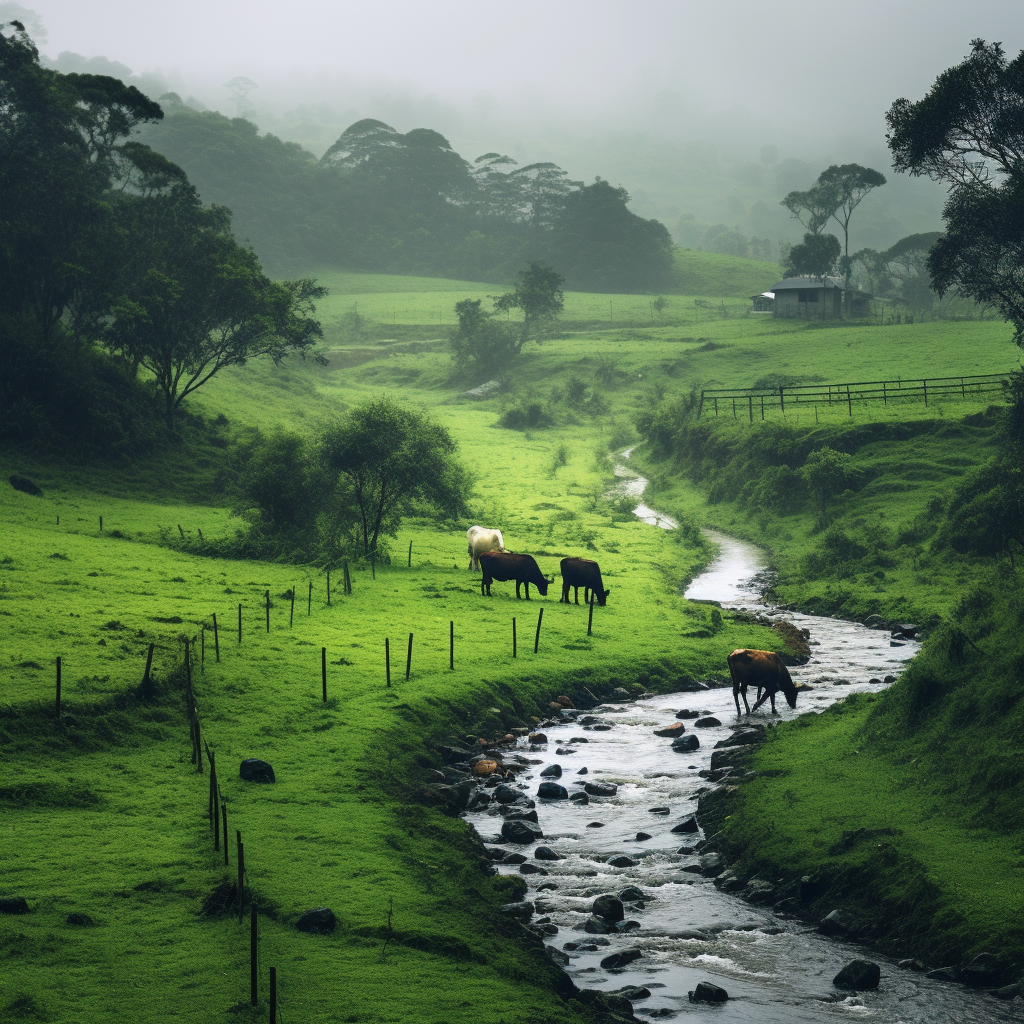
<point x="585" y="573"/>
<point x="503" y="566"/>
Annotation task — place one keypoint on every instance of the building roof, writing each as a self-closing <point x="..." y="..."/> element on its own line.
<point x="764" y="295"/>
<point x="791" y="283"/>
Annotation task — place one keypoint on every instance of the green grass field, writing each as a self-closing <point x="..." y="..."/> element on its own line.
<point x="105" y="815"/>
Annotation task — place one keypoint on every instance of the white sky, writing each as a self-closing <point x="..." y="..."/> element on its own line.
<point x="790" y="58"/>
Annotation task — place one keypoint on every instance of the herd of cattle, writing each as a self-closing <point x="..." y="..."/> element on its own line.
<point x="747" y="667"/>
<point x="487" y="553"/>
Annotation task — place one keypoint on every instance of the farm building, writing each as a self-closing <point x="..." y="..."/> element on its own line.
<point x="817" y="298"/>
<point x="764" y="302"/>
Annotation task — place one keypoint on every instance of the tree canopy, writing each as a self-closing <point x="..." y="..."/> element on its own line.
<point x="815" y="256"/>
<point x="968" y="131"/>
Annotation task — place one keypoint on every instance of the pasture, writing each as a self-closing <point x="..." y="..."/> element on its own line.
<point x="105" y="815"/>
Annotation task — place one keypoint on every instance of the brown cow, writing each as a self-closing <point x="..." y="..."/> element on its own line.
<point x="504" y="566"/>
<point x="763" y="669"/>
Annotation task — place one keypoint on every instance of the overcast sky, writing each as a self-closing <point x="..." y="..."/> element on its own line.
<point x="787" y="59"/>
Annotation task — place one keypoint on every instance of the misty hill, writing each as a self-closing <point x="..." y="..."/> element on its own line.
<point x="385" y="202"/>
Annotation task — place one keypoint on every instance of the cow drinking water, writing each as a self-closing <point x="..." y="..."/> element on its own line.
<point x="585" y="573"/>
<point x="504" y="566"/>
<point x="763" y="669"/>
<point x="480" y="539"/>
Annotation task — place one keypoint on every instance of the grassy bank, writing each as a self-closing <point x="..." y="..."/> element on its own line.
<point x="900" y="808"/>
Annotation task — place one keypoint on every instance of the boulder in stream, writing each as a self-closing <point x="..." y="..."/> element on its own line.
<point x="608" y="907"/>
<point x="553" y="771"/>
<point x="706" y="992"/>
<point x="671" y="731"/>
<point x="522" y="832"/>
<point x="600" y="788"/>
<point x="552" y="791"/>
<point x="686" y="744"/>
<point x="836" y="923"/>
<point x="686" y="825"/>
<point x="616" y="961"/>
<point x="859" y="975"/>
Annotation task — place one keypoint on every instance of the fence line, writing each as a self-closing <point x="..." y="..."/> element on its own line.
<point x="723" y="400"/>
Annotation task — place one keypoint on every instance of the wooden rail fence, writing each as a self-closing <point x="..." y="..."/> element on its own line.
<point x="751" y="401"/>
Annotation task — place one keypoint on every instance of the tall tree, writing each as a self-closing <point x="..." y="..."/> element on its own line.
<point x="968" y="131"/>
<point x="848" y="185"/>
<point x="538" y="293"/>
<point x="812" y="207"/>
<point x="393" y="457"/>
<point x="195" y="301"/>
<point x="815" y="256"/>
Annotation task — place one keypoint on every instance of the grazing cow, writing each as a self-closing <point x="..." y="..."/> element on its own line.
<point x="480" y="539"/>
<point x="503" y="566"/>
<point x="585" y="573"/>
<point x="763" y="669"/>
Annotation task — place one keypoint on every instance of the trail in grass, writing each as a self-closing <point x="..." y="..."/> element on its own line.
<point x="685" y="929"/>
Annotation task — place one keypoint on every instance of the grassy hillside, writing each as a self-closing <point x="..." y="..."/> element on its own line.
<point x="349" y="824"/>
<point x="711" y="273"/>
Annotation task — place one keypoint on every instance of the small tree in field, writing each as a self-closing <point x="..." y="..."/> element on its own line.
<point x="482" y="340"/>
<point x="392" y="458"/>
<point x="538" y="293"/>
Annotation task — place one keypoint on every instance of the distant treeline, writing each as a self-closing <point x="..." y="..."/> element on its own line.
<point x="380" y="201"/>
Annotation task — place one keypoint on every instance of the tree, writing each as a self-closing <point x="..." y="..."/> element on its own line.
<point x="847" y="185"/>
<point x="968" y="131"/>
<point x="815" y="256"/>
<point x="479" y="338"/>
<point x="828" y="473"/>
<point x="538" y="293"/>
<point x="392" y="457"/>
<point x="197" y="301"/>
<point x="812" y="207"/>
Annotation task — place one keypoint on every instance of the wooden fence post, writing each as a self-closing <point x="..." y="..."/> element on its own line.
<point x="750" y="404"/>
<point x="216" y="634"/>
<point x="323" y="670"/>
<point x="309" y="600"/>
<point x="253" y="987"/>
<point x="782" y="399"/>
<point x="101" y="524"/>
<point x="268" y="611"/>
<point x="409" y="564"/>
<point x="291" y="614"/>
<point x="202" y="646"/>
<point x="241" y="873"/>
<point x="239" y="622"/>
<point x="58" y="687"/>
<point x="513" y="636"/>
<point x="925" y="384"/>
<point x="387" y="661"/>
<point x="451" y="644"/>
<point x="536" y="639"/>
<point x="408" y="659"/>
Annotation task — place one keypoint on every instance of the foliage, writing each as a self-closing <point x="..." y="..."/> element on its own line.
<point x="968" y="132"/>
<point x="828" y="474"/>
<point x="197" y="301"/>
<point x="538" y="293"/>
<point x="490" y="344"/>
<point x="815" y="256"/>
<point x="394" y="459"/>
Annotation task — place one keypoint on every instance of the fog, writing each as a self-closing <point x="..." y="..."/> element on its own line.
<point x="661" y="96"/>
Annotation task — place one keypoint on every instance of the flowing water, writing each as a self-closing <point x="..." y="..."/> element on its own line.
<point x="774" y="968"/>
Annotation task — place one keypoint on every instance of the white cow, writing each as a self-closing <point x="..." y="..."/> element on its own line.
<point x="480" y="539"/>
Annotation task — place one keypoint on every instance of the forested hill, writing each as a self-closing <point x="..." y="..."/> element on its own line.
<point x="386" y="202"/>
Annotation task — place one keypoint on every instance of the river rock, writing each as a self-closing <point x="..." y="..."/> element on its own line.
<point x="758" y="891"/>
<point x="911" y="964"/>
<point x="254" y="770"/>
<point x="742" y="736"/>
<point x="513" y="858"/>
<point x="620" y="694"/>
<point x="506" y="794"/>
<point x="632" y="893"/>
<point x="595" y="824"/>
<point x="564" y="751"/>
<point x="711" y="865"/>
<point x="552" y="791"/>
<point x="686" y="744"/>
<point x="889" y="679"/>
<point x="671" y="731"/>
<point x="522" y="832"/>
<point x="581" y="799"/>
<point x="607" y="1005"/>
<point x="708" y="722"/>
<point x="521" y="910"/>
<point x="986" y="970"/>
<point x="608" y="907"/>
<point x="320" y="921"/>
<point x="526" y="868"/>
<point x="546" y="853"/>
<point x="858" y="974"/>
<point x="583" y="771"/>
<point x="619" y="960"/>
<point x="836" y="923"/>
<point x="633" y="993"/>
<point x="705" y="992"/>
<point x="538" y="737"/>
<point x="686" y="825"/>
<point x="598" y="926"/>
<point x="485" y="767"/>
<point x="687" y="713"/>
<point x="553" y="771"/>
<point x="942" y="974"/>
<point x="622" y="862"/>
<point x="600" y="788"/>
<point x="659" y="810"/>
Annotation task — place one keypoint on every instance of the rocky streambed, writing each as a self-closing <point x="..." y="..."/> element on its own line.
<point x="606" y="815"/>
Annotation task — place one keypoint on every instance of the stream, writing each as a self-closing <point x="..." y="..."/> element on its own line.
<point x="774" y="967"/>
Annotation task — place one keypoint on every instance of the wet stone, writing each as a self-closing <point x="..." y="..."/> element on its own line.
<point x="531" y="869"/>
<point x="583" y="771"/>
<point x="686" y="744"/>
<point x="707" y="723"/>
<point x="598" y="926"/>
<point x="580" y="798"/>
<point x="552" y="791"/>
<point x="859" y="975"/>
<point x="601" y="788"/>
<point x="563" y="752"/>
<point x="671" y="731"/>
<point x="521" y="832"/>
<point x="631" y="894"/>
<point x="608" y="907"/>
<point x="616" y="961"/>
<point x="513" y="858"/>
<point x="546" y="853"/>
<point x="595" y="824"/>
<point x="686" y="713"/>
<point x="553" y="771"/>
<point x="686" y="825"/>
<point x="642" y="837"/>
<point x="622" y="862"/>
<point x="705" y="992"/>
<point x="659" y="810"/>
